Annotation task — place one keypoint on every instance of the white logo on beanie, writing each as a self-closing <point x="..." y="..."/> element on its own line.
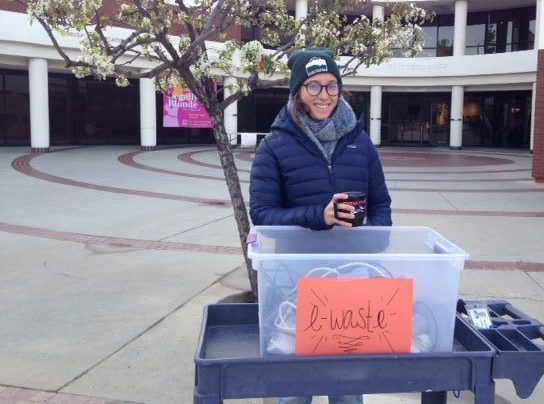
<point x="316" y="65"/>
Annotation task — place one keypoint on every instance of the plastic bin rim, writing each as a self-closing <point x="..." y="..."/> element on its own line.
<point x="389" y="257"/>
<point x="459" y="253"/>
<point x="340" y="228"/>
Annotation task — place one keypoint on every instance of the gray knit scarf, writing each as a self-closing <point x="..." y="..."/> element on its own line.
<point x="325" y="134"/>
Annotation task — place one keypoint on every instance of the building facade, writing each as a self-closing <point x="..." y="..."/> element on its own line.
<point x="476" y="83"/>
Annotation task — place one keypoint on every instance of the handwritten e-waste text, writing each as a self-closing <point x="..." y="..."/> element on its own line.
<point x="353" y="316"/>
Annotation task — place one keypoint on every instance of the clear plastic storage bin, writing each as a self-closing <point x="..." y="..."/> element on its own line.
<point x="282" y="254"/>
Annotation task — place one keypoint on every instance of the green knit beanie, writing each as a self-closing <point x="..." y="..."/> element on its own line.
<point x="309" y="62"/>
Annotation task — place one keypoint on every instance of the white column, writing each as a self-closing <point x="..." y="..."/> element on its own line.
<point x="39" y="105"/>
<point x="376" y="93"/>
<point x="148" y="114"/>
<point x="456" y="117"/>
<point x="301" y="9"/>
<point x="231" y="111"/>
<point x="376" y="115"/>
<point x="457" y="92"/>
<point x="460" y="28"/>
<point x="377" y="12"/>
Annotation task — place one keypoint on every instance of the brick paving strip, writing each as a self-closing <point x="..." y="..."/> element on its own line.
<point x="176" y="246"/>
<point x="128" y="160"/>
<point x="389" y="160"/>
<point x="505" y="266"/>
<point x="389" y="169"/>
<point x="17" y="395"/>
<point x="117" y="241"/>
<point x="432" y="161"/>
<point x="22" y="164"/>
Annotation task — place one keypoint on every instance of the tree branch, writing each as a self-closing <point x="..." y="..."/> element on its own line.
<point x="69" y="62"/>
<point x="351" y="70"/>
<point x="255" y="83"/>
<point x="214" y="14"/>
<point x="125" y="42"/>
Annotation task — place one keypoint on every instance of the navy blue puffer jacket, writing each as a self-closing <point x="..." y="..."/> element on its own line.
<point x="291" y="181"/>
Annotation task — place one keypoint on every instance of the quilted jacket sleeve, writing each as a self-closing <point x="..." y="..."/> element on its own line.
<point x="267" y="199"/>
<point x="379" y="202"/>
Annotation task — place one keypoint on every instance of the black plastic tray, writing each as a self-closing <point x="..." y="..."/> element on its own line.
<point x="518" y="340"/>
<point x="228" y="365"/>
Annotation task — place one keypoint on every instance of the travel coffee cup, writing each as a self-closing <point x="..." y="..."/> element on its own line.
<point x="358" y="201"/>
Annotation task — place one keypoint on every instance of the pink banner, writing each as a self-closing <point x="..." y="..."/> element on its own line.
<point x="181" y="109"/>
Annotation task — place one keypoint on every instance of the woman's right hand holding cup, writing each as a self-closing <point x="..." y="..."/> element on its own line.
<point x="338" y="213"/>
<point x="350" y="213"/>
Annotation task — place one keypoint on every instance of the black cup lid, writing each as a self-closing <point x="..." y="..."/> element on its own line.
<point x="355" y="195"/>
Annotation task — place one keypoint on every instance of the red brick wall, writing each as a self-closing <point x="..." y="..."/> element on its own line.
<point x="7" y="5"/>
<point x="111" y="7"/>
<point x="538" y="148"/>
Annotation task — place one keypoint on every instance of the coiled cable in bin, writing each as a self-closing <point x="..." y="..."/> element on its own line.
<point x="282" y="341"/>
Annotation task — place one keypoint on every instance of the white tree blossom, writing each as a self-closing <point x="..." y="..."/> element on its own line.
<point x="175" y="36"/>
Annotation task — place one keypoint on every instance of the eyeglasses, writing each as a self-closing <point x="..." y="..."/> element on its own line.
<point x="314" y="89"/>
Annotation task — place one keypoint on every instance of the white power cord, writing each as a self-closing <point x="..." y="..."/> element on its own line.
<point x="283" y="340"/>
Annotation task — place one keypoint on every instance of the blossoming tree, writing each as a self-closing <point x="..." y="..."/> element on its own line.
<point x="181" y="37"/>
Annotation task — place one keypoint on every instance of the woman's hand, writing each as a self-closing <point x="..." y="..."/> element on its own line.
<point x="328" y="213"/>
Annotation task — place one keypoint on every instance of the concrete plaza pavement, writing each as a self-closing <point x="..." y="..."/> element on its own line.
<point x="108" y="255"/>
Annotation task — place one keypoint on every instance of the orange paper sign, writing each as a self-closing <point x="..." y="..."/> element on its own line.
<point x="351" y="316"/>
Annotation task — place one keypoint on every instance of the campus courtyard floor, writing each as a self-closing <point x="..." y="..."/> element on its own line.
<point x="108" y="255"/>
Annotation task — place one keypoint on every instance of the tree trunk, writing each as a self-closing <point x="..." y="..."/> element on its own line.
<point x="233" y="184"/>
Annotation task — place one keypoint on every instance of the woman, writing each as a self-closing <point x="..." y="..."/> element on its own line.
<point x="315" y="152"/>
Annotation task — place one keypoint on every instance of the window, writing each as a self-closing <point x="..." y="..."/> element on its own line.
<point x="445" y="41"/>
<point x="429" y="47"/>
<point x="14" y="109"/>
<point x="491" y="38"/>
<point x="532" y="32"/>
<point x="475" y="39"/>
<point x="487" y="32"/>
